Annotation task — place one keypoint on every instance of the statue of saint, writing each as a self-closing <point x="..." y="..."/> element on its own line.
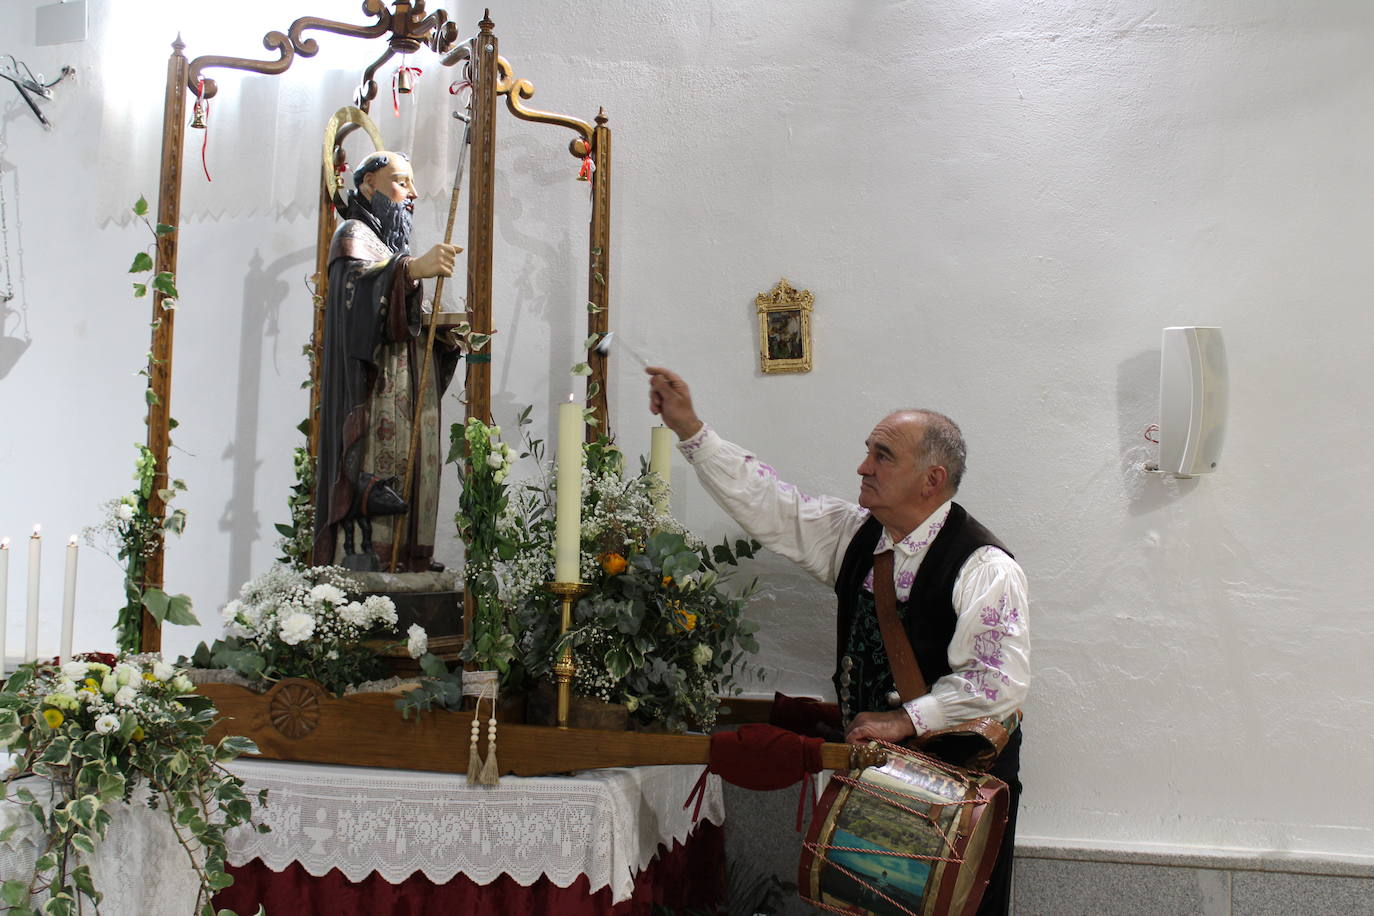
<point x="372" y="358"/>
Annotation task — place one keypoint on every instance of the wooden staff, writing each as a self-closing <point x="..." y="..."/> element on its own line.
<point x="428" y="358"/>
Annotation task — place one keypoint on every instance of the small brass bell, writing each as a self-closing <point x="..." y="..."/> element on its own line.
<point x="198" y="114"/>
<point x="403" y="85"/>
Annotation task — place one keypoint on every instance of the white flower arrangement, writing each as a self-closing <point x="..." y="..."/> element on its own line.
<point x="307" y="623"/>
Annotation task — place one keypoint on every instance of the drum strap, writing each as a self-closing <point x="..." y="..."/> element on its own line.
<point x="975" y="743"/>
<point x="906" y="671"/>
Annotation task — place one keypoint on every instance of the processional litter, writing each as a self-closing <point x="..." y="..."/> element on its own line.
<point x="901" y="833"/>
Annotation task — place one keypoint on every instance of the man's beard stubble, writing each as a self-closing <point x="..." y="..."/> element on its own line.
<point x="395" y="219"/>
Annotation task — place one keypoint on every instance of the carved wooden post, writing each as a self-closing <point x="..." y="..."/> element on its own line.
<point x="599" y="273"/>
<point x="160" y="372"/>
<point x="481" y="216"/>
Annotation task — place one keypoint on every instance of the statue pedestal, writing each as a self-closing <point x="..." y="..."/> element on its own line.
<point x="434" y="600"/>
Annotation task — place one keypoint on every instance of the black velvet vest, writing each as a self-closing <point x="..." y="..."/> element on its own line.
<point x="928" y="615"/>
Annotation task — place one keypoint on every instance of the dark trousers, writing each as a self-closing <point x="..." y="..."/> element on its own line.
<point x="997" y="897"/>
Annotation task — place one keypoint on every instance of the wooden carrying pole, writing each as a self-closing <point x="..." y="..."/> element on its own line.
<point x="481" y="217"/>
<point x="599" y="274"/>
<point x="160" y="370"/>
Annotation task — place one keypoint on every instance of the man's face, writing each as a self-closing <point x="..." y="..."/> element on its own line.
<point x="894" y="481"/>
<point x="393" y="181"/>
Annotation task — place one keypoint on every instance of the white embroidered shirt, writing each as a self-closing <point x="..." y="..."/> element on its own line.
<point x="989" y="654"/>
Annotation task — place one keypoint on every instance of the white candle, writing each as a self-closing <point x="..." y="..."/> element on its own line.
<point x="567" y="540"/>
<point x="35" y="564"/>
<point x="69" y="601"/>
<point x="661" y="461"/>
<point x="4" y="597"/>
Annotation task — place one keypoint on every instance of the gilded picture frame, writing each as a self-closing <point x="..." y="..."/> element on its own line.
<point x="784" y="328"/>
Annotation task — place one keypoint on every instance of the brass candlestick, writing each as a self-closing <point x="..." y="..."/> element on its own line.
<point x="565" y="667"/>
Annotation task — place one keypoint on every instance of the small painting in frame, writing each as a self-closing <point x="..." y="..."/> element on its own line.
<point x="784" y="328"/>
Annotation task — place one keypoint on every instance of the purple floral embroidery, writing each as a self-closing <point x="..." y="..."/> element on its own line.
<point x="911" y="546"/>
<point x="905" y="579"/>
<point x="690" y="447"/>
<point x="916" y="720"/>
<point x="868" y="581"/>
<point x="765" y="470"/>
<point x="986" y="671"/>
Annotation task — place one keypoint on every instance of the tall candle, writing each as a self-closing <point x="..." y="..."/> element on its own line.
<point x="35" y="564"/>
<point x="69" y="601"/>
<point x="661" y="461"/>
<point x="567" y="540"/>
<point x="4" y="597"/>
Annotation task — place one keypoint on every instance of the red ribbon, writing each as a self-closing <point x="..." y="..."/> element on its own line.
<point x="204" y="104"/>
<point x="585" y="173"/>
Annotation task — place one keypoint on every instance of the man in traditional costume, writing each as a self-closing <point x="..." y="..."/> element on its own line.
<point x="370" y="380"/>
<point x="961" y="596"/>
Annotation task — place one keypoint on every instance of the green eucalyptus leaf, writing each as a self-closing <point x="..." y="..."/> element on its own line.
<point x="141" y="206"/>
<point x="142" y="262"/>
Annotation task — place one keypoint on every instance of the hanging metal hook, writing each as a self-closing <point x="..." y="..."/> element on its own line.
<point x="29" y="85"/>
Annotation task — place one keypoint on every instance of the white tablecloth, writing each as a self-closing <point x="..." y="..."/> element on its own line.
<point x="605" y="824"/>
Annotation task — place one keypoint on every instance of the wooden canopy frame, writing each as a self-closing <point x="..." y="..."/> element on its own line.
<point x="406" y="29"/>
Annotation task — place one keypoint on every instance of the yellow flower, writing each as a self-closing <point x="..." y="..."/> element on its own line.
<point x="667" y="581"/>
<point x="685" y="619"/>
<point x="91" y="683"/>
<point x="53" y="717"/>
<point x="148" y="676"/>
<point x="138" y="733"/>
<point x="613" y="563"/>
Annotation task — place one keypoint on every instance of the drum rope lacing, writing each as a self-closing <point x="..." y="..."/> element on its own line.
<point x="889" y="796"/>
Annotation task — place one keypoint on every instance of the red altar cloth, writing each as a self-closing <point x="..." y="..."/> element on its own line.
<point x="690" y="875"/>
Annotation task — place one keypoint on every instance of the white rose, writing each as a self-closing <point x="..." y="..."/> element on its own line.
<point x="631" y="704"/>
<point x="417" y="641"/>
<point x="182" y="684"/>
<point x="125" y="512"/>
<point x="325" y="592"/>
<point x="494" y="460"/>
<point x="125" y="696"/>
<point x="127" y="674"/>
<point x="499" y="477"/>
<point x="107" y="724"/>
<point x="109" y="685"/>
<point x="163" y="671"/>
<point x="701" y="655"/>
<point x="230" y="612"/>
<point x="64" y="687"/>
<point x="297" y="628"/>
<point x="75" y="670"/>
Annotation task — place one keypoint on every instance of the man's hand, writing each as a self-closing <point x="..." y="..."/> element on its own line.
<point x="671" y="399"/>
<point x="893" y="726"/>
<point x="437" y="262"/>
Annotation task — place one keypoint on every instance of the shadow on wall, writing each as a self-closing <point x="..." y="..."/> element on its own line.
<point x="1137" y="407"/>
<point x="264" y="291"/>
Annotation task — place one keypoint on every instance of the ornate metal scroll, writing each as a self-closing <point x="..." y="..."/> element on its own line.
<point x="517" y="90"/>
<point x="410" y="30"/>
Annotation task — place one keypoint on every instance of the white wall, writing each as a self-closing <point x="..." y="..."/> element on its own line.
<point x="997" y="207"/>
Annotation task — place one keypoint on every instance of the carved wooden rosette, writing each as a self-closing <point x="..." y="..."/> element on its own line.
<point x="294" y="707"/>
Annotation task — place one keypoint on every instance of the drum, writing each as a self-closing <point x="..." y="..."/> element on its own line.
<point x="913" y="837"/>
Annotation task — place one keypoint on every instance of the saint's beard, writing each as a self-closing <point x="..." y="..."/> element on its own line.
<point x="395" y="220"/>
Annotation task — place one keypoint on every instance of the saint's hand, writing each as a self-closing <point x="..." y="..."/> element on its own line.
<point x="437" y="262"/>
<point x="671" y="399"/>
<point x="892" y="726"/>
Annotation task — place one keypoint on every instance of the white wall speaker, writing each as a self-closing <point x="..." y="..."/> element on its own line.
<point x="1193" y="390"/>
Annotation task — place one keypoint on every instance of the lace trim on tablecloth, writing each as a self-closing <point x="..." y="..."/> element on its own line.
<point x="606" y="824"/>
